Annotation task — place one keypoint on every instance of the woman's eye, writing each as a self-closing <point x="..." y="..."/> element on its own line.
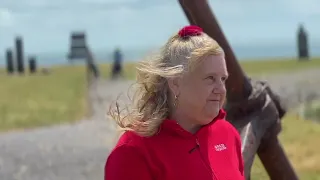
<point x="211" y="78"/>
<point x="223" y="79"/>
<point x="214" y="79"/>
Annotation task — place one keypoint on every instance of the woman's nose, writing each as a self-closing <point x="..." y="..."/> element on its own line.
<point x="220" y="88"/>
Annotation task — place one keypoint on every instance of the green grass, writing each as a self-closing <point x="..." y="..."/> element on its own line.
<point x="40" y="100"/>
<point x="60" y="97"/>
<point x="128" y="72"/>
<point x="278" y="65"/>
<point x="299" y="138"/>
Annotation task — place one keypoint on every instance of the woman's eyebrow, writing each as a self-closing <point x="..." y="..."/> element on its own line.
<point x="216" y="74"/>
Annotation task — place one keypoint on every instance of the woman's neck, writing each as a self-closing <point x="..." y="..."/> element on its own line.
<point x="185" y="122"/>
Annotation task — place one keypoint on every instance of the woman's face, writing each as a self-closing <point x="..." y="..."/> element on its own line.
<point x="202" y="91"/>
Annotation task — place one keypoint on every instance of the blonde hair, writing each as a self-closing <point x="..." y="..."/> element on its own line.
<point x="150" y="103"/>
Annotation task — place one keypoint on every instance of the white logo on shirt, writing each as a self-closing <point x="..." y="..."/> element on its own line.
<point x="220" y="147"/>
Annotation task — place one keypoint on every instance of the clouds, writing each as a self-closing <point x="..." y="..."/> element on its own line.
<point x="107" y="22"/>
<point x="6" y="18"/>
<point x="305" y="8"/>
<point x="135" y="23"/>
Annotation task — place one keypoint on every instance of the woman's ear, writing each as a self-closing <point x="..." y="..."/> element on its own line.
<point x="173" y="84"/>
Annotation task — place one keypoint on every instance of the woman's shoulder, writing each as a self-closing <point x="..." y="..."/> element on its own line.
<point x="225" y="126"/>
<point x="222" y="123"/>
<point x="129" y="139"/>
<point x="127" y="159"/>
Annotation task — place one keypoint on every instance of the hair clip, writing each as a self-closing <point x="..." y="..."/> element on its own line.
<point x="191" y="30"/>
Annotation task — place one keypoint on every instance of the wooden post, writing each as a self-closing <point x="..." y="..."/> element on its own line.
<point x="303" y="49"/>
<point x="10" y="62"/>
<point x="275" y="161"/>
<point x="32" y="65"/>
<point x="19" y="55"/>
<point x="117" y="64"/>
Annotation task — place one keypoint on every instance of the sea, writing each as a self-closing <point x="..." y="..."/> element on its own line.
<point x="243" y="53"/>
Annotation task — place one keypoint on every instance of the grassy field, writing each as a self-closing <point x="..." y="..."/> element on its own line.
<point x="39" y="100"/>
<point x="60" y="97"/>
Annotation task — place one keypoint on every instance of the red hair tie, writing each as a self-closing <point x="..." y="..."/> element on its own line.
<point x="191" y="30"/>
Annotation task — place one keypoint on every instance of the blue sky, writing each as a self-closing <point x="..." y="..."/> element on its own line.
<point x="46" y="24"/>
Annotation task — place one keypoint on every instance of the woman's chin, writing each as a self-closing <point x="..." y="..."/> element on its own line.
<point x="215" y="113"/>
<point x="210" y="117"/>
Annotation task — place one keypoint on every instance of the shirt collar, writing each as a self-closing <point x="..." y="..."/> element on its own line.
<point x="172" y="127"/>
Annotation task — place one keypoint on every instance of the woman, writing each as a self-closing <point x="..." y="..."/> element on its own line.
<point x="176" y="129"/>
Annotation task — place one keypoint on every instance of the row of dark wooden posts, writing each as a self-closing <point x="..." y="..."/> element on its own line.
<point x="15" y="59"/>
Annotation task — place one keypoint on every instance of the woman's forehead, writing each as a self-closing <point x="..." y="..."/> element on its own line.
<point x="213" y="64"/>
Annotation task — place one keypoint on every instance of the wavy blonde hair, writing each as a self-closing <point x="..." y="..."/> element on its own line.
<point x="151" y="102"/>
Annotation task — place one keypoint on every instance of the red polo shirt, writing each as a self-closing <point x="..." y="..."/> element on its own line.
<point x="213" y="153"/>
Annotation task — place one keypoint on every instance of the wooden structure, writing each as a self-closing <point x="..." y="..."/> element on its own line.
<point x="77" y="46"/>
<point x="252" y="106"/>
<point x="80" y="50"/>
